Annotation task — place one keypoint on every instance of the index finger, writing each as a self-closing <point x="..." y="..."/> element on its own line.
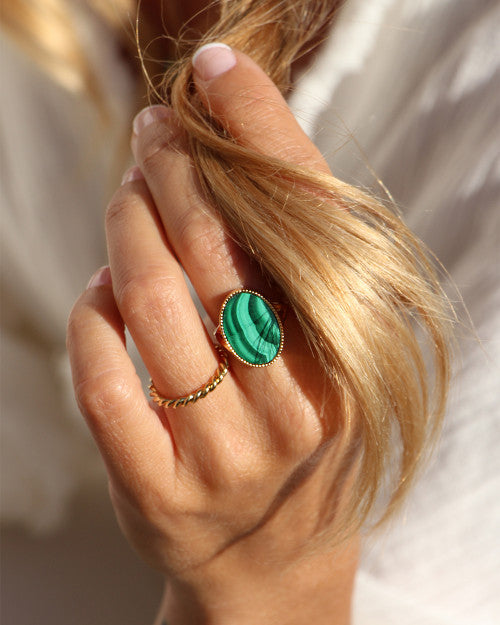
<point x="238" y="93"/>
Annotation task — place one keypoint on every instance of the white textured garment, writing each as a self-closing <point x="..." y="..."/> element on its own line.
<point x="410" y="87"/>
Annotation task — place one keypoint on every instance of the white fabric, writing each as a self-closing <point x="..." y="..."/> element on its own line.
<point x="410" y="87"/>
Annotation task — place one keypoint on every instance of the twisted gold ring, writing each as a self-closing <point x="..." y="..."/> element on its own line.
<point x="193" y="397"/>
<point x="251" y="328"/>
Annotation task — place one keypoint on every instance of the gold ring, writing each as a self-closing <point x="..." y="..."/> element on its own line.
<point x="251" y="328"/>
<point x="193" y="397"/>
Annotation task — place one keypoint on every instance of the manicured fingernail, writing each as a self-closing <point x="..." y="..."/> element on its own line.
<point x="212" y="60"/>
<point x="151" y="114"/>
<point x="134" y="173"/>
<point x="102" y="277"/>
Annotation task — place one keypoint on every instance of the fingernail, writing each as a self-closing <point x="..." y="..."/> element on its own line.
<point x="212" y="60"/>
<point x="102" y="277"/>
<point x="150" y="114"/>
<point x="134" y="173"/>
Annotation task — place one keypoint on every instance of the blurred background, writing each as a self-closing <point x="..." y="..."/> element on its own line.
<point x="83" y="572"/>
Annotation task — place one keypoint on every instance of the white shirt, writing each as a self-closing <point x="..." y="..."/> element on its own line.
<point x="413" y="89"/>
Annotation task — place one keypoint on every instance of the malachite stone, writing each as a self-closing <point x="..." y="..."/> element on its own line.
<point x="251" y="328"/>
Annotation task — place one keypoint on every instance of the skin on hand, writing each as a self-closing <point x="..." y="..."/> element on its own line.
<point x="225" y="495"/>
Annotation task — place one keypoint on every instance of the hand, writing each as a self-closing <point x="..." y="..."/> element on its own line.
<point x="225" y="495"/>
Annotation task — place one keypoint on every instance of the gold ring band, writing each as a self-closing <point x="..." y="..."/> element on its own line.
<point x="203" y="391"/>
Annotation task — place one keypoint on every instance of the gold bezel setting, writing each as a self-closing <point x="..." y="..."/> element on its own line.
<point x="223" y="340"/>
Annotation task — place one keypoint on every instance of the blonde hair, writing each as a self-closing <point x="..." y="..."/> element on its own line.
<point x="359" y="282"/>
<point x="357" y="279"/>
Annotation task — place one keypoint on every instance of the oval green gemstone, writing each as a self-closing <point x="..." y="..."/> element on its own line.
<point x="251" y="328"/>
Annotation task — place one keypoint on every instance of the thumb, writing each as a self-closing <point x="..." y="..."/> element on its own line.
<point x="240" y="95"/>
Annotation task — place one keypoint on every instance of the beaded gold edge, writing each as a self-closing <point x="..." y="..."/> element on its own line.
<point x="221" y="336"/>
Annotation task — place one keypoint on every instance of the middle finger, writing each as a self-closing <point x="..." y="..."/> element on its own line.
<point x="152" y="295"/>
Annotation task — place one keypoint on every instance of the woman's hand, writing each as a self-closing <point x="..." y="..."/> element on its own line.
<point x="225" y="495"/>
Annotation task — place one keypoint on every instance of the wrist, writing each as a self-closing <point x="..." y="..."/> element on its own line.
<point x="317" y="589"/>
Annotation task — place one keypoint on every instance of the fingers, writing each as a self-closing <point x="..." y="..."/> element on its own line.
<point x="217" y="425"/>
<point x="133" y="442"/>
<point x="214" y="263"/>
<point x="240" y="94"/>
<point x="154" y="301"/>
<point x="152" y="298"/>
<point x="242" y="97"/>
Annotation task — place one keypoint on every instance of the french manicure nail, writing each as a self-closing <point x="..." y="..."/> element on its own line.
<point x="102" y="277"/>
<point x="212" y="60"/>
<point x="134" y="173"/>
<point x="150" y="114"/>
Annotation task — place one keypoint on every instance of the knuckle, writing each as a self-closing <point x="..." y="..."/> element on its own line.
<point x="151" y="153"/>
<point x="256" y="104"/>
<point x="203" y="237"/>
<point x="121" y="204"/>
<point x="104" y="396"/>
<point x="156" y="144"/>
<point x="150" y="298"/>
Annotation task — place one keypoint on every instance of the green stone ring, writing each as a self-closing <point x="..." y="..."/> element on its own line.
<point x="250" y="328"/>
